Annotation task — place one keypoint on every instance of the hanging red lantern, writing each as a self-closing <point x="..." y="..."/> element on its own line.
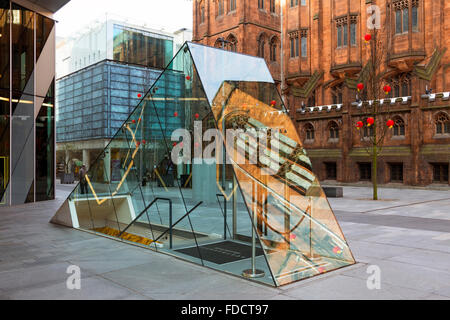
<point x="139" y="95"/>
<point x="390" y="123"/>
<point x="174" y="144"/>
<point x="196" y="116"/>
<point x="143" y="141"/>
<point x="368" y="37"/>
<point x="175" y="114"/>
<point x="273" y="103"/>
<point x="293" y="236"/>
<point x="370" y="121"/>
<point x="321" y="270"/>
<point x="360" y="87"/>
<point x="134" y="121"/>
<point x="387" y="89"/>
<point x="359" y="125"/>
<point x="137" y="143"/>
<point x="140" y="119"/>
<point x="188" y="78"/>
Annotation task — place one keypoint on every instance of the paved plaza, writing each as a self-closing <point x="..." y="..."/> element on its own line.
<point x="406" y="234"/>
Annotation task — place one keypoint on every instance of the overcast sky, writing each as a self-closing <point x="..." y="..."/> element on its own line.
<point x="168" y="14"/>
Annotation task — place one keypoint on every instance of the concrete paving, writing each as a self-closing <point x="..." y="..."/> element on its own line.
<point x="406" y="234"/>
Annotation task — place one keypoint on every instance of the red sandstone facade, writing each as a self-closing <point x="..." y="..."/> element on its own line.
<point x="324" y="58"/>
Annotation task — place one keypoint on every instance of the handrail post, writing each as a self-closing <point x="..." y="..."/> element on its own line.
<point x="170" y="224"/>
<point x="224" y="218"/>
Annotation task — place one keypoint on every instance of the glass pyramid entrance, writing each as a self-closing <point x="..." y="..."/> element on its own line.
<point x="209" y="167"/>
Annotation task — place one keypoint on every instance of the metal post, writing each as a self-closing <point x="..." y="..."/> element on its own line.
<point x="253" y="272"/>
<point x="234" y="209"/>
<point x="224" y="218"/>
<point x="170" y="225"/>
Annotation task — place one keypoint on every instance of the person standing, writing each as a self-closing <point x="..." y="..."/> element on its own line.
<point x="83" y="181"/>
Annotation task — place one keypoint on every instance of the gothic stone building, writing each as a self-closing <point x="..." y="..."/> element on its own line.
<point x="325" y="57"/>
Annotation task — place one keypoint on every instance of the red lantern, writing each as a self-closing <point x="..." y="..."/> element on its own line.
<point x="140" y="119"/>
<point x="196" y="116"/>
<point x="143" y="141"/>
<point x="360" y="86"/>
<point x="137" y="143"/>
<point x="175" y="114"/>
<point x="368" y="37"/>
<point x="370" y="121"/>
<point x="273" y="102"/>
<point x="321" y="270"/>
<point x="134" y="121"/>
<point x="293" y="236"/>
<point x="139" y="95"/>
<point x="174" y="144"/>
<point x="390" y="123"/>
<point x="188" y="78"/>
<point x="387" y="89"/>
<point x="359" y="125"/>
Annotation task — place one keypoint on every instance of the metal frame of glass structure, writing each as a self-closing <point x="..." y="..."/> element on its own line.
<point x="245" y="203"/>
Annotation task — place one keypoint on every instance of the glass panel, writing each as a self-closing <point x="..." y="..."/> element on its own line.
<point x="44" y="26"/>
<point x="4" y="146"/>
<point x="246" y="68"/>
<point x="4" y="102"/>
<point x="141" y="47"/>
<point x="304" y="47"/>
<point x="339" y="36"/>
<point x="22" y="148"/>
<point x="22" y="49"/>
<point x="405" y="20"/>
<point x="45" y="139"/>
<point x="415" y="18"/>
<point x="353" y="34"/>
<point x="345" y="35"/>
<point x="297" y="229"/>
<point x="398" y="21"/>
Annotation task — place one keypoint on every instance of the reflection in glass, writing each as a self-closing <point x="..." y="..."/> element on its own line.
<point x="261" y="208"/>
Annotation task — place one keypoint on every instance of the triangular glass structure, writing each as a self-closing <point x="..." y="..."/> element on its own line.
<point x="209" y="167"/>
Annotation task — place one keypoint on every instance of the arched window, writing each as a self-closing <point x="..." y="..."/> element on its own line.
<point x="442" y="123"/>
<point x="333" y="129"/>
<point x="337" y="93"/>
<point x="309" y="130"/>
<point x="220" y="7"/>
<point x="273" y="49"/>
<point x="401" y="85"/>
<point x="261" y="45"/>
<point x="232" y="43"/>
<point x="399" y="127"/>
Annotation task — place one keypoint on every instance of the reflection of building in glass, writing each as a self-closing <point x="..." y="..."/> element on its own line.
<point x="27" y="128"/>
<point x="102" y="75"/>
<point x="268" y="219"/>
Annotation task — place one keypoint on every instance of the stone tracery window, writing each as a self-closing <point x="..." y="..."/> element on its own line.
<point x="333" y="129"/>
<point x="273" y="48"/>
<point x="399" y="127"/>
<point x="309" y="130"/>
<point x="401" y="85"/>
<point x="442" y="123"/>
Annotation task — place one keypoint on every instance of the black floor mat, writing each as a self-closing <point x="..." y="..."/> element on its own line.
<point x="222" y="252"/>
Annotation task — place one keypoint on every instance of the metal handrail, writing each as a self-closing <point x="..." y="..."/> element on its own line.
<point x="171" y="226"/>
<point x="145" y="210"/>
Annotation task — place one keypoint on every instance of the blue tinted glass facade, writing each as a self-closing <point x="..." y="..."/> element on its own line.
<point x="94" y="102"/>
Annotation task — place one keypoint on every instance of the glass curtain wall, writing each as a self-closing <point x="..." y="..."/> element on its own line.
<point x="4" y="101"/>
<point x="24" y="177"/>
<point x="139" y="47"/>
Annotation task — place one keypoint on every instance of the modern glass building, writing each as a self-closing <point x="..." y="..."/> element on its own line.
<point x="227" y="185"/>
<point x="102" y="74"/>
<point x="27" y="81"/>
